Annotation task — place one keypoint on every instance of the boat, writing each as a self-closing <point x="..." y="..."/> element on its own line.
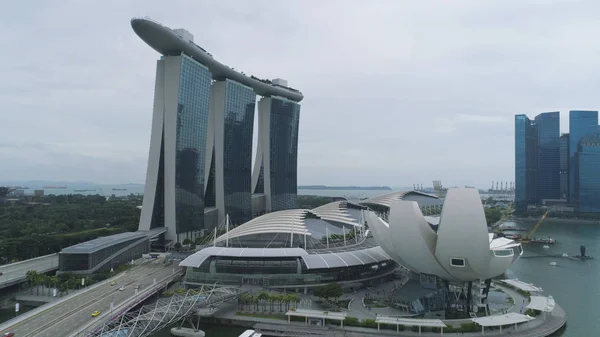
<point x="546" y="247"/>
<point x="80" y="190"/>
<point x="545" y="241"/>
<point x="54" y="187"/>
<point x="119" y="189"/>
<point x="553" y="263"/>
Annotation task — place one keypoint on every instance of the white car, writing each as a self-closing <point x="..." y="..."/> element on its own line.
<point x="122" y="288"/>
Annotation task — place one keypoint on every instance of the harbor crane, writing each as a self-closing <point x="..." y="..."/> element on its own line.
<point x="527" y="238"/>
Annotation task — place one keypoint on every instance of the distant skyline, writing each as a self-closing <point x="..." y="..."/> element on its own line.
<point x="395" y="93"/>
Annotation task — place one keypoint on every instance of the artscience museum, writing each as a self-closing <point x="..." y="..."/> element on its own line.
<point x="460" y="249"/>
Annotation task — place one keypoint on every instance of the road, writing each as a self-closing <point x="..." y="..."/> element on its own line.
<point x="12" y="273"/>
<point x="68" y="317"/>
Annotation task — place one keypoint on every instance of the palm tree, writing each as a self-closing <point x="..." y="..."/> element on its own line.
<point x="263" y="297"/>
<point x="31" y="276"/>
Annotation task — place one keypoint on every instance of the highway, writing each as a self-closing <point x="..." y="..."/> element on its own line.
<point x="68" y="317"/>
<point x="15" y="272"/>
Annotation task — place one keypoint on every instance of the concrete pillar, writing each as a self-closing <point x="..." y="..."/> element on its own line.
<point x="482" y="330"/>
<point x="377" y="326"/>
<point x="289" y="320"/>
<point x="419" y="330"/>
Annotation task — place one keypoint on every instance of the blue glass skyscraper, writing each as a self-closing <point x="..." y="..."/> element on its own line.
<point x="587" y="177"/>
<point x="548" y="155"/>
<point x="525" y="162"/>
<point x="564" y="165"/>
<point x="581" y="123"/>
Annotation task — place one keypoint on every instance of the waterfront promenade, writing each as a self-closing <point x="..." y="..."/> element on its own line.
<point x="541" y="326"/>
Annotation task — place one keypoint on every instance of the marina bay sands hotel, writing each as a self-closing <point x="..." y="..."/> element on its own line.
<point x="200" y="162"/>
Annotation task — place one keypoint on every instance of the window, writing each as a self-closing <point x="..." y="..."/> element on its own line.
<point x="457" y="262"/>
<point x="504" y="252"/>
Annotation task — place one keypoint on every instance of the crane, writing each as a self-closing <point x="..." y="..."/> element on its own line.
<point x="535" y="228"/>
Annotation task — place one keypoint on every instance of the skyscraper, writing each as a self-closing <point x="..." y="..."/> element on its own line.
<point x="525" y="162"/>
<point x="229" y="150"/>
<point x="581" y="123"/>
<point x="587" y="176"/>
<point x="199" y="167"/>
<point x="275" y="168"/>
<point x="564" y="165"/>
<point x="174" y="189"/>
<point x="548" y="152"/>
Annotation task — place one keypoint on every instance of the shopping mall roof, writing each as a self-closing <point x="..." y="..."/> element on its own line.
<point x="522" y="285"/>
<point x="387" y="199"/>
<point x="294" y="221"/>
<point x="541" y="303"/>
<point x="436" y="323"/>
<point x="103" y="242"/>
<point x="498" y="320"/>
<point x="313" y="261"/>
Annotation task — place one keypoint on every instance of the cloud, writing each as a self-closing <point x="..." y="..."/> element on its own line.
<point x="397" y="92"/>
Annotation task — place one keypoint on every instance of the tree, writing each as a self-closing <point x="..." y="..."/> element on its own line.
<point x="31" y="277"/>
<point x="187" y="241"/>
<point x="492" y="215"/>
<point x="331" y="290"/>
<point x="177" y="246"/>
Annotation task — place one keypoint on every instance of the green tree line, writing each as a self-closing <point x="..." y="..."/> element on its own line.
<point x="47" y="224"/>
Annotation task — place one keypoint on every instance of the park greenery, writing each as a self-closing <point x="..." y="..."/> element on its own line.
<point x="267" y="302"/>
<point x="63" y="283"/>
<point x="37" y="226"/>
<point x="493" y="215"/>
<point x="329" y="291"/>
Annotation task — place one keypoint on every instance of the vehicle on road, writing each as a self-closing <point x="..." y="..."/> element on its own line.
<point x="95" y="313"/>
<point x="1" y="273"/>
<point x="8" y="334"/>
<point x="122" y="288"/>
<point x="137" y="286"/>
<point x="113" y="283"/>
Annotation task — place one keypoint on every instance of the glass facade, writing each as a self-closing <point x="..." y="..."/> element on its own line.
<point x="548" y="166"/>
<point x="158" y="210"/>
<point x="279" y="272"/>
<point x="284" y="120"/>
<point x="581" y="123"/>
<point x="564" y="165"/>
<point x="192" y="122"/>
<point x="240" y="102"/>
<point x="83" y="262"/>
<point x="587" y="179"/>
<point x="525" y="162"/>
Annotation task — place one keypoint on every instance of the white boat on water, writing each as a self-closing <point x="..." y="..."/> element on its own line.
<point x="553" y="263"/>
<point x="546" y="247"/>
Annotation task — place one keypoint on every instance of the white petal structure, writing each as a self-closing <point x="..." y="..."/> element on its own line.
<point x="462" y="249"/>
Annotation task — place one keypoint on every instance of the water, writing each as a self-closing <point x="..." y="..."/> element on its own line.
<point x="573" y="284"/>
<point x="348" y="194"/>
<point x="9" y="313"/>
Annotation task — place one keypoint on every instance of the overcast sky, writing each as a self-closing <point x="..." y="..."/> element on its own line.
<point x="396" y="92"/>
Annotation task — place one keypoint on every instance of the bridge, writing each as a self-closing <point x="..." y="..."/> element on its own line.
<point x="72" y="313"/>
<point x="15" y="273"/>
<point x="165" y="311"/>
